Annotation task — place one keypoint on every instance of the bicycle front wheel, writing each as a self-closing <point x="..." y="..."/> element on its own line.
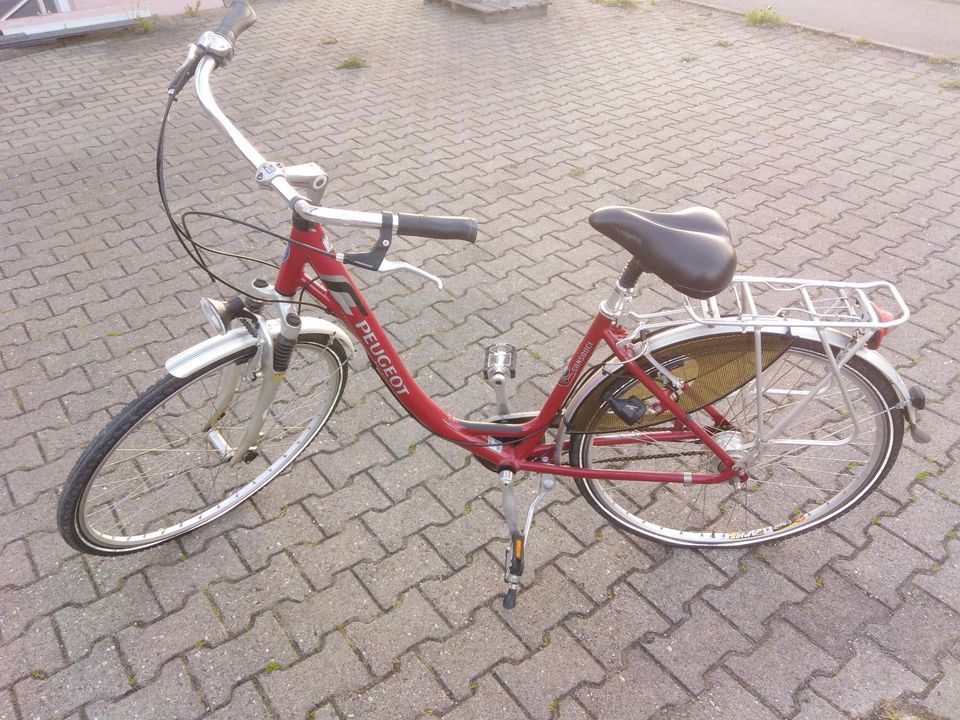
<point x="156" y="471"/>
<point x="825" y="458"/>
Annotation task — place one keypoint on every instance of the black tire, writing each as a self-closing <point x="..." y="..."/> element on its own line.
<point x="796" y="491"/>
<point x="172" y="398"/>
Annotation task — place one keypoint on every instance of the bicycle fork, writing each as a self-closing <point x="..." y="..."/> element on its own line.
<point x="513" y="562"/>
<point x="271" y="361"/>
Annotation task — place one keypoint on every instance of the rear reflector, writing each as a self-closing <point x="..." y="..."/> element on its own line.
<point x="885" y="316"/>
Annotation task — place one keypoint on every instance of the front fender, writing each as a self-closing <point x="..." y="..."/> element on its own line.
<point x="202" y="354"/>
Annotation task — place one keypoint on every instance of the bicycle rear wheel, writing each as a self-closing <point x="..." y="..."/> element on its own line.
<point x="792" y="488"/>
<point x="153" y="473"/>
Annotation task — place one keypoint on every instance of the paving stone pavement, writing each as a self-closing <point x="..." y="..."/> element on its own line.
<point x="366" y="583"/>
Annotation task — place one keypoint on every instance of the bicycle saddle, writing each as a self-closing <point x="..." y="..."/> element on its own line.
<point x="690" y="250"/>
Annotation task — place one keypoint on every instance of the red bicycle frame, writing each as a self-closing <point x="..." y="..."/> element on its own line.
<point x="505" y="446"/>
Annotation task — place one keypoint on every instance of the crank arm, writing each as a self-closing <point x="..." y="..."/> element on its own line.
<point x="392" y="265"/>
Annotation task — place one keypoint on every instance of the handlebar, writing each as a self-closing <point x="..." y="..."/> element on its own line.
<point x="440" y="228"/>
<point x="217" y="48"/>
<point x="240" y="18"/>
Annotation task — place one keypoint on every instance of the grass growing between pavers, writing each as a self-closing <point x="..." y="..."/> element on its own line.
<point x="765" y="17"/>
<point x="352" y="62"/>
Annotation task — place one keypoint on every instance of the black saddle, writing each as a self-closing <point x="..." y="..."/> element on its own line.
<point x="690" y="250"/>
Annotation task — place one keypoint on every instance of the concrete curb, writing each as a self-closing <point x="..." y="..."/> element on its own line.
<point x="832" y="33"/>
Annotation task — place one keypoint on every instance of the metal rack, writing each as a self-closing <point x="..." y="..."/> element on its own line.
<point x="753" y="302"/>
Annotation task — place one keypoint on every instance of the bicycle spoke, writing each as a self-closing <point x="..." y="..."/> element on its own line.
<point x="166" y="472"/>
<point x="803" y="478"/>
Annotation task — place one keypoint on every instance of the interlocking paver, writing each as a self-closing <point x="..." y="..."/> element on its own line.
<point x="80" y="626"/>
<point x="99" y="675"/>
<point x="750" y="599"/>
<point x="617" y="625"/>
<point x="21" y="606"/>
<point x="459" y="594"/>
<point x="672" y="584"/>
<point x="411" y="692"/>
<point x="173" y="583"/>
<point x="246" y="703"/>
<point x="833" y="615"/>
<point x="725" y="698"/>
<point x="814" y="707"/>
<point x="541" y="606"/>
<point x="919" y="632"/>
<point x="481" y="645"/>
<point x="868" y="678"/>
<point x="292" y="527"/>
<point x="604" y="563"/>
<point x="173" y="692"/>
<point x="549" y="673"/>
<point x="410" y="621"/>
<point x="882" y="566"/>
<point x="15" y="567"/>
<point x="392" y="526"/>
<point x="332" y="510"/>
<point x="325" y="611"/>
<point x="6" y="706"/>
<point x="780" y="665"/>
<point x="641" y="685"/>
<point x="389" y="578"/>
<point x="945" y="696"/>
<point x="925" y="522"/>
<point x="147" y="647"/>
<point x="218" y="669"/>
<point x="295" y="691"/>
<point x="239" y="601"/>
<point x="696" y="645"/>
<point x="321" y="561"/>
<point x="825" y="161"/>
<point x="489" y="701"/>
<point x="37" y="649"/>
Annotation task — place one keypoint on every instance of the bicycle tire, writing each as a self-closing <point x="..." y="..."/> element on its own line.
<point x="172" y="398"/>
<point x="817" y="491"/>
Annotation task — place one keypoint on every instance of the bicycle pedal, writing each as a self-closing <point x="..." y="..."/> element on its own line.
<point x="501" y="360"/>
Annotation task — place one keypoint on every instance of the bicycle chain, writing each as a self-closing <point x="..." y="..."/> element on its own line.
<point x="643" y="458"/>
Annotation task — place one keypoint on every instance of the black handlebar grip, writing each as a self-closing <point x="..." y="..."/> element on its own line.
<point x="438" y="227"/>
<point x="240" y="17"/>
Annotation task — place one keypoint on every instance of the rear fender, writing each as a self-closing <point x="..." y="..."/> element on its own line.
<point x="685" y="332"/>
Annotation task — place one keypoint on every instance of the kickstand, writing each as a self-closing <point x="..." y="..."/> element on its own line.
<point x="513" y="562"/>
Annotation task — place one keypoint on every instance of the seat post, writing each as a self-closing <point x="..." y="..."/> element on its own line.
<point x="631" y="274"/>
<point x="620" y="298"/>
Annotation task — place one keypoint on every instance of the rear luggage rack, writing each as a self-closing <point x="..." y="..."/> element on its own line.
<point x="752" y="302"/>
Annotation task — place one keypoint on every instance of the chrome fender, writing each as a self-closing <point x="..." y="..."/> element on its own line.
<point x="834" y="337"/>
<point x="186" y="363"/>
<point x="685" y="332"/>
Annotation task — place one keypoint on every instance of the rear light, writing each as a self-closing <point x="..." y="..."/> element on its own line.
<point x="885" y="316"/>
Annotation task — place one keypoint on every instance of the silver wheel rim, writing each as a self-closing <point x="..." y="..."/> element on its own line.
<point x="637" y="506"/>
<point x="326" y="378"/>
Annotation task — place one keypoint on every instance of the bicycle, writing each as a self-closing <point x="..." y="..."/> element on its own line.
<point x="758" y="409"/>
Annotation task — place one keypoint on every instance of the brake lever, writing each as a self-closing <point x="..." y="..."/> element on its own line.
<point x="392" y="265"/>
<point x="186" y="70"/>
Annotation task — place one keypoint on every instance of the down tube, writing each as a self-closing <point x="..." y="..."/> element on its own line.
<point x="351" y="308"/>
